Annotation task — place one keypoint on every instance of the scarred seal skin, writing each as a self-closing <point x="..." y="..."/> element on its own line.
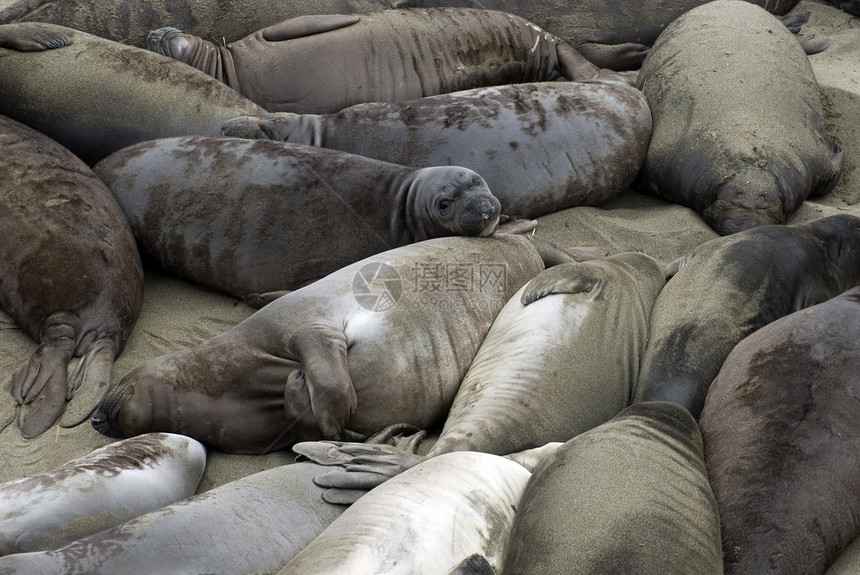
<point x="731" y="286"/>
<point x="322" y="64"/>
<point x="544" y="147"/>
<point x="384" y="340"/>
<point x="426" y="520"/>
<point x="252" y="525"/>
<point x="781" y="426"/>
<point x="248" y="216"/>
<point x="70" y="276"/>
<point x="96" y="96"/>
<point x="737" y="133"/>
<point x="111" y="485"/>
<point x="629" y="496"/>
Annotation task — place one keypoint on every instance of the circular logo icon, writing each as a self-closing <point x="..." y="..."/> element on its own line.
<point x="377" y="286"/>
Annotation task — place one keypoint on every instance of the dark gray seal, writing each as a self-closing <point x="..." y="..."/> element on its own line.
<point x="781" y="426"/>
<point x="322" y="64"/>
<point x="384" y="340"/>
<point x="731" y="286"/>
<point x="738" y="133"/>
<point x="629" y="496"/>
<point x="545" y="146"/>
<point x="96" y="96"/>
<point x="70" y="276"/>
<point x="247" y="216"/>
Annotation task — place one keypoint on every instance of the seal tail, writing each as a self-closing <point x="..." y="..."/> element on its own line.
<point x="40" y="386"/>
<point x="89" y="382"/>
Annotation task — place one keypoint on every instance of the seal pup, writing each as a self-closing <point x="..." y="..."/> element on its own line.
<point x="247" y="216"/>
<point x="786" y="480"/>
<point x="96" y="96"/>
<point x="738" y="133"/>
<point x="629" y="496"/>
<point x="545" y="146"/>
<point x="731" y="286"/>
<point x="70" y="276"/>
<point x="110" y="485"/>
<point x="426" y="520"/>
<point x="322" y="64"/>
<point x="252" y="525"/>
<point x="382" y="341"/>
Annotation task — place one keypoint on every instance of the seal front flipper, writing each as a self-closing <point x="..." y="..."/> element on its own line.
<point x="626" y="56"/>
<point x="90" y="381"/>
<point x="33" y="38"/>
<point x="565" y="278"/>
<point x="322" y="352"/>
<point x="309" y="25"/>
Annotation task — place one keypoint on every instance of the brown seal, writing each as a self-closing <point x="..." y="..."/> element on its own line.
<point x="71" y="275"/>
<point x="322" y="64"/>
<point x="781" y="426"/>
<point x="246" y="216"/>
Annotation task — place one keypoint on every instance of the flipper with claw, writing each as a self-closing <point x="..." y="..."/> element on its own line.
<point x="33" y="37"/>
<point x="564" y="278"/>
<point x="89" y="382"/>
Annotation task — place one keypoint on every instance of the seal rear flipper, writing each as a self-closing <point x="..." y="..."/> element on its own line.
<point x="308" y="25"/>
<point x="40" y="387"/>
<point x="626" y="56"/>
<point x="565" y="278"/>
<point x="474" y="565"/>
<point x="32" y="38"/>
<point x="89" y="382"/>
<point x="553" y="255"/>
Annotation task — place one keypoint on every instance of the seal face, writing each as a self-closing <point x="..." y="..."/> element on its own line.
<point x="247" y="216"/>
<point x="794" y="385"/>
<point x="740" y="149"/>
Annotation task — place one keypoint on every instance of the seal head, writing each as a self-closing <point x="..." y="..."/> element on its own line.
<point x="456" y="201"/>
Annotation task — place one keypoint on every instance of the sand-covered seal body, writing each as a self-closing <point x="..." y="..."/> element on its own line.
<point x="782" y="434"/>
<point x="247" y="216"/>
<point x="543" y="147"/>
<point x="252" y="525"/>
<point x="322" y="64"/>
<point x="111" y="485"/>
<point x="385" y="340"/>
<point x="96" y="96"/>
<point x="426" y="520"/>
<point x="70" y="276"/>
<point x="734" y="285"/>
<point x="737" y="118"/>
<point x="629" y="496"/>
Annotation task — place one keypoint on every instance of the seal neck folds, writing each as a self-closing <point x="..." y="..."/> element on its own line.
<point x="206" y="56"/>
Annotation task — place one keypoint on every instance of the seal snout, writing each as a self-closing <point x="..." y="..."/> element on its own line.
<point x="481" y="216"/>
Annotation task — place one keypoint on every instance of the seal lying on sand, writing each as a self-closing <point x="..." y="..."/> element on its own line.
<point x="248" y="216"/>
<point x="95" y="96"/>
<point x="545" y="146"/>
<point x="70" y="275"/>
<point x="738" y="133"/>
<point x="384" y="340"/>
<point x="104" y="488"/>
<point x="322" y="64"/>
<point x="786" y="480"/>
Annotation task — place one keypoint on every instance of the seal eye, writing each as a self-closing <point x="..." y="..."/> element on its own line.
<point x="477" y="182"/>
<point x="444" y="204"/>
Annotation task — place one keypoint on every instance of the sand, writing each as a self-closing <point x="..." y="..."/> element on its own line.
<point x="177" y="313"/>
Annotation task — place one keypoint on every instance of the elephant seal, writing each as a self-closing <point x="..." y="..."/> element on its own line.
<point x="786" y="480"/>
<point x="129" y="21"/>
<point x="742" y="149"/>
<point x="384" y="340"/>
<point x="70" y="276"/>
<point x="426" y="520"/>
<point x="629" y="496"/>
<point x="322" y="64"/>
<point x="546" y="146"/>
<point x="112" y="484"/>
<point x="252" y="525"/>
<point x="96" y="96"/>
<point x="246" y="216"/>
<point x="731" y="286"/>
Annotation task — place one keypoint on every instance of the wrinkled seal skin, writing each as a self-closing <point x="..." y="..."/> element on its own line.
<point x="242" y="390"/>
<point x="111" y="485"/>
<point x="248" y="216"/>
<point x="731" y="286"/>
<point x="629" y="496"/>
<point x="613" y="34"/>
<point x="741" y="148"/>
<point x="129" y="21"/>
<point x="544" y="147"/>
<point x="96" y="96"/>
<point x="322" y="64"/>
<point x="252" y="525"/>
<point x="425" y="521"/>
<point x="787" y="481"/>
<point x="70" y="276"/>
